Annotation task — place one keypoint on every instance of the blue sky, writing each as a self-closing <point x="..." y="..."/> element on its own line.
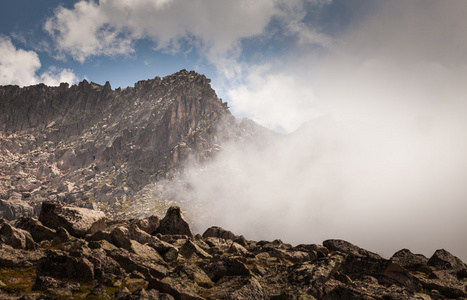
<point x="278" y="62"/>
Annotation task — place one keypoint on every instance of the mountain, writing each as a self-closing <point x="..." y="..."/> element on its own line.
<point x="96" y="147"/>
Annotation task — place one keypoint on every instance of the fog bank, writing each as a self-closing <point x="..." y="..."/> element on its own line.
<point x="384" y="166"/>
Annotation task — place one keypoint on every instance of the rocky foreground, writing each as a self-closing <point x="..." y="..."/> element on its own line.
<point x="77" y="253"/>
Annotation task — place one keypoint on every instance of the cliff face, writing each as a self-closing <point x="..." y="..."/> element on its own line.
<point x="91" y="145"/>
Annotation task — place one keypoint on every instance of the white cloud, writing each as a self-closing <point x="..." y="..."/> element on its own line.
<point x="278" y="101"/>
<point x="53" y="77"/>
<point x="19" y="67"/>
<point x="214" y="28"/>
<point x="386" y="170"/>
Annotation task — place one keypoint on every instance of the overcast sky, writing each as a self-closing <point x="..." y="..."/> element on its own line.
<point x="390" y="75"/>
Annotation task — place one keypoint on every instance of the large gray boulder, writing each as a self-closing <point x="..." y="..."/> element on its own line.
<point x="76" y="220"/>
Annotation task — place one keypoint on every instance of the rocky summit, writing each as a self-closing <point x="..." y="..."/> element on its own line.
<point x="96" y="147"/>
<point x="78" y="253"/>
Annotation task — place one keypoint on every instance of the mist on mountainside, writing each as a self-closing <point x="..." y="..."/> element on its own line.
<point x="384" y="166"/>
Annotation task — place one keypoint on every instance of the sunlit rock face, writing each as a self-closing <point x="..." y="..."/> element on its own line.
<point x="96" y="147"/>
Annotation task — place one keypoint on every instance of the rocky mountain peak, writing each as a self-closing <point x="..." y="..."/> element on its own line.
<point x="90" y="145"/>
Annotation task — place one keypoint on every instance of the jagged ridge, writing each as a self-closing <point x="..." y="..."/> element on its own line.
<point x="91" y="145"/>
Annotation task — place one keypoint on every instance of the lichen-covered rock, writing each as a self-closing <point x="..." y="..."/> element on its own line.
<point x="76" y="220"/>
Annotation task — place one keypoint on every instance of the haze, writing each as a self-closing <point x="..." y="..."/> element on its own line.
<point x="382" y="163"/>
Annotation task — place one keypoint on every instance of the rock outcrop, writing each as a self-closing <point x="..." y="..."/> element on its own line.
<point x="122" y="261"/>
<point x="109" y="149"/>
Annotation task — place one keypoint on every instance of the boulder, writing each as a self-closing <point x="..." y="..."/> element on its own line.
<point x="176" y="287"/>
<point x="58" y="264"/>
<point x="408" y="260"/>
<point x="15" y="208"/>
<point x="311" y="277"/>
<point x="217" y="268"/>
<point x="19" y="259"/>
<point x="397" y="273"/>
<point x="149" y="224"/>
<point x="123" y="237"/>
<point x="174" y="223"/>
<point x="190" y="249"/>
<point x="98" y="292"/>
<point x="55" y="287"/>
<point x="38" y="231"/>
<point x="448" y="285"/>
<point x="443" y="260"/>
<point x="131" y="262"/>
<point x="238" y="288"/>
<point x="17" y="238"/>
<point x="219" y="232"/>
<point x="76" y="220"/>
<point x="348" y="248"/>
<point x="104" y="265"/>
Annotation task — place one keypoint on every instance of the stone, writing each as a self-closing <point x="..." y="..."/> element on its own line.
<point x="219" y="232"/>
<point x="408" y="260"/>
<point x="146" y="252"/>
<point x="98" y="291"/>
<point x="239" y="287"/>
<point x="403" y="277"/>
<point x="175" y="287"/>
<point x="217" y="268"/>
<point x="149" y="224"/>
<point x="38" y="231"/>
<point x="60" y="265"/>
<point x="19" y="259"/>
<point x="77" y="221"/>
<point x="55" y="287"/>
<point x="15" y="208"/>
<point x="348" y="248"/>
<point x="174" y="223"/>
<point x="131" y="262"/>
<point x="17" y="238"/>
<point x="311" y="277"/>
<point x="443" y="260"/>
<point x="190" y="249"/>
<point x="445" y="283"/>
<point x="62" y="236"/>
